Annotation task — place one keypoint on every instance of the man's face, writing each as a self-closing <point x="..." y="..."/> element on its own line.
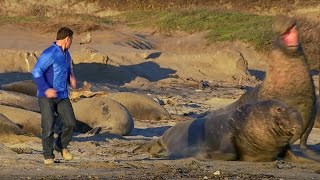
<point x="291" y="37"/>
<point x="68" y="42"/>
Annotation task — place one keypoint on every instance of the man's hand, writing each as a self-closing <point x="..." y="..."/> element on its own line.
<point x="73" y="82"/>
<point x="51" y="93"/>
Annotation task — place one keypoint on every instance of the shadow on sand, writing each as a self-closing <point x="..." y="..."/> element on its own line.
<point x="97" y="138"/>
<point x="10" y="77"/>
<point x="149" y="132"/>
<point x="146" y="132"/>
<point x="103" y="73"/>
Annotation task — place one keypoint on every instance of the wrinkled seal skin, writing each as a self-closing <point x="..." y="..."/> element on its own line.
<point x="255" y="132"/>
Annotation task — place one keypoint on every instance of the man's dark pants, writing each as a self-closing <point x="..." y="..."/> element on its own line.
<point x="63" y="108"/>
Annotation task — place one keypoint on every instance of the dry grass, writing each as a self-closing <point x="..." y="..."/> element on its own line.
<point x="78" y="22"/>
<point x="187" y="15"/>
<point x="246" y="5"/>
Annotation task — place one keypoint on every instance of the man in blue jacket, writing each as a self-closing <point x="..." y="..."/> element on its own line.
<point x="52" y="73"/>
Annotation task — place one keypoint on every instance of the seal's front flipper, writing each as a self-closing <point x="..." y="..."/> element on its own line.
<point x="153" y="147"/>
<point x="94" y="130"/>
<point x="298" y="158"/>
<point x="311" y="154"/>
<point x="9" y="127"/>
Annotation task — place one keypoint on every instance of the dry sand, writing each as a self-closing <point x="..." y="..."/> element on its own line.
<point x="109" y="156"/>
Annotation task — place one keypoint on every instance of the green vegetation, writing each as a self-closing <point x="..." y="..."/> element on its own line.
<point x="21" y="19"/>
<point x="78" y="22"/>
<point x="222" y="26"/>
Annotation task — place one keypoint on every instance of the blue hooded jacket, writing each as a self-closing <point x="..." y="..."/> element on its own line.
<point x="53" y="70"/>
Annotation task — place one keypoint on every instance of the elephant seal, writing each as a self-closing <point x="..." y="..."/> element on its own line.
<point x="254" y="132"/>
<point x="19" y="100"/>
<point x="8" y="127"/>
<point x="27" y="87"/>
<point x="29" y="122"/>
<point x="104" y="115"/>
<point x="96" y="114"/>
<point x="287" y="78"/>
<point x="140" y="106"/>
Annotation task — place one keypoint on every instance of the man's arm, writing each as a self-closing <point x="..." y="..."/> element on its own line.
<point x="73" y="81"/>
<point x="72" y="78"/>
<point x="43" y="63"/>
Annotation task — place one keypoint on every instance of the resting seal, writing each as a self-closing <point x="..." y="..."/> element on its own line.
<point x="104" y="115"/>
<point x="27" y="87"/>
<point x="8" y="127"/>
<point x="19" y="100"/>
<point x="25" y="121"/>
<point x="255" y="132"/>
<point x="140" y="106"/>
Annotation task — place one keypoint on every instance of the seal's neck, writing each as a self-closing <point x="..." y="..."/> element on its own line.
<point x="286" y="70"/>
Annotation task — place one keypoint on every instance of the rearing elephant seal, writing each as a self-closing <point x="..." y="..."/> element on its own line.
<point x="255" y="132"/>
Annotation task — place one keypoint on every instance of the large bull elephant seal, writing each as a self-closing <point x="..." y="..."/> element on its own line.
<point x="106" y="114"/>
<point x="255" y="132"/>
<point x="140" y="106"/>
<point x="27" y="87"/>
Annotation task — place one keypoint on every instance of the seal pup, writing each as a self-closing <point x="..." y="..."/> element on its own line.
<point x="254" y="132"/>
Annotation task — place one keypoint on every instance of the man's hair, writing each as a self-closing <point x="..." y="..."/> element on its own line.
<point x="64" y="32"/>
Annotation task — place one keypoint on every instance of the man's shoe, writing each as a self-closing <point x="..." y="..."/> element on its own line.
<point x="66" y="155"/>
<point x="48" y="161"/>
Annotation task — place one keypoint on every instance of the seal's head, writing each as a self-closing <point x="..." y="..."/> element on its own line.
<point x="267" y="128"/>
<point x="287" y="34"/>
<point x="287" y="120"/>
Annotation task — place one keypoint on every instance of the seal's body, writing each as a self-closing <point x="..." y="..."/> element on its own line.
<point x="27" y="87"/>
<point x="255" y="132"/>
<point x="106" y="114"/>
